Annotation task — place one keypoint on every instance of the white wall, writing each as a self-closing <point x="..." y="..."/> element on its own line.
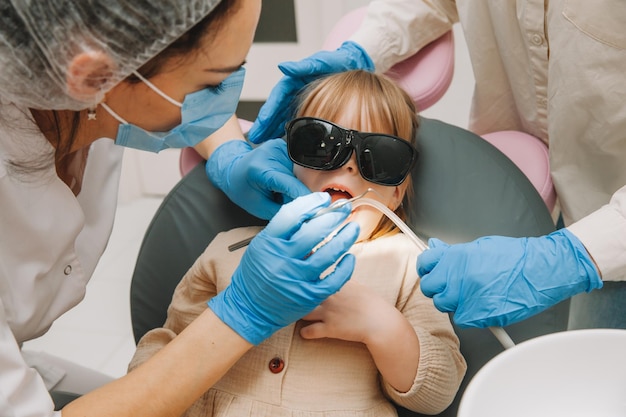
<point x="144" y="173"/>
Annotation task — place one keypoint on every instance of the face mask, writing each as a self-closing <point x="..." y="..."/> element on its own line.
<point x="203" y="112"/>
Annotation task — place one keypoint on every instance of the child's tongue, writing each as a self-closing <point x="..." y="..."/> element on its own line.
<point x="336" y="195"/>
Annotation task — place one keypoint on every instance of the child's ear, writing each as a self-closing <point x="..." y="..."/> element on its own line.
<point x="398" y="196"/>
<point x="88" y="74"/>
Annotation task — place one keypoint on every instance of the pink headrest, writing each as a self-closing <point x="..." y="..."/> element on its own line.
<point x="531" y="156"/>
<point x="426" y="75"/>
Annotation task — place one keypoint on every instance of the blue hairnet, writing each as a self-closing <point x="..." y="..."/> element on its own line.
<point x="39" y="38"/>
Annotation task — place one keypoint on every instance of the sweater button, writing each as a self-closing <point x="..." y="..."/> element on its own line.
<point x="536" y="39"/>
<point x="276" y="365"/>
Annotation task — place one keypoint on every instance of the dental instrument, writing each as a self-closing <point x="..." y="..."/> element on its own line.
<point x="333" y="206"/>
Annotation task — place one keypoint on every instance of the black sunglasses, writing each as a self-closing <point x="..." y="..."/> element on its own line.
<point x="319" y="144"/>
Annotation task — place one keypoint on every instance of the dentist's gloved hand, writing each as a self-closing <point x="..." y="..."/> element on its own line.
<point x="278" y="279"/>
<point x="270" y="122"/>
<point x="497" y="281"/>
<point x="252" y="178"/>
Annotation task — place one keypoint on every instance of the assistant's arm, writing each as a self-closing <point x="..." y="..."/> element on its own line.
<point x="497" y="281"/>
<point x="393" y="30"/>
<point x="603" y="233"/>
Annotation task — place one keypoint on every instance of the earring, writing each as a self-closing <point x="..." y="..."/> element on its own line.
<point x="91" y="113"/>
<point x="398" y="207"/>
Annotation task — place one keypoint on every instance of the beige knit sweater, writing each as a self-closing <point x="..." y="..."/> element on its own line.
<point x="323" y="377"/>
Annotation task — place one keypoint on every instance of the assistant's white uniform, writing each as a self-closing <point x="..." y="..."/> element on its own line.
<point x="553" y="69"/>
<point x="50" y="243"/>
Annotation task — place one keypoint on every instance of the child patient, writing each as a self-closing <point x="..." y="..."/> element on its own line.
<point x="379" y="340"/>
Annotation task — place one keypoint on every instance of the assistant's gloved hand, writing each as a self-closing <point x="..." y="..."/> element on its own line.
<point x="270" y="122"/>
<point x="278" y="279"/>
<point x="252" y="178"/>
<point x="497" y="281"/>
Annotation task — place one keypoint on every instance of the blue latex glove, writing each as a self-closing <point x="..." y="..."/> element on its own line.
<point x="497" y="281"/>
<point x="277" y="110"/>
<point x="278" y="279"/>
<point x="259" y="180"/>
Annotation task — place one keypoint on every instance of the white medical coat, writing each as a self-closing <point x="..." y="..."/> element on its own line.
<point x="554" y="69"/>
<point x="50" y="243"/>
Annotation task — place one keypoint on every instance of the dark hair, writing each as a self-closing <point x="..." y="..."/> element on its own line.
<point x="182" y="49"/>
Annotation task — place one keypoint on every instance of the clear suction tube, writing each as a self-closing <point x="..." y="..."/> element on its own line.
<point x="500" y="334"/>
<point x="393" y="217"/>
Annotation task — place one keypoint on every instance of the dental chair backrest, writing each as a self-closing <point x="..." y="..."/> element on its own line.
<point x="464" y="188"/>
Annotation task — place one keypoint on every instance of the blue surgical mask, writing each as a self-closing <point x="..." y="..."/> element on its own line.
<point x="203" y="112"/>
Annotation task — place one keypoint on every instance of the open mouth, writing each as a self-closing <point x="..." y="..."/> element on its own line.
<point x="337" y="193"/>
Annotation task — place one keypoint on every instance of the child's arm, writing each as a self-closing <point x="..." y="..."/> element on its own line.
<point x="441" y="367"/>
<point x="415" y="349"/>
<point x="356" y="313"/>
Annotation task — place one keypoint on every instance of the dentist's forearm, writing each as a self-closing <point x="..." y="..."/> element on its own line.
<point x="171" y="380"/>
<point x="230" y="131"/>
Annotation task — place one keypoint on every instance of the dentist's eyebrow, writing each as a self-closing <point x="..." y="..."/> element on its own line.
<point x="226" y="70"/>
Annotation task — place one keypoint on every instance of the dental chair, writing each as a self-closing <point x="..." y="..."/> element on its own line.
<point x="464" y="188"/>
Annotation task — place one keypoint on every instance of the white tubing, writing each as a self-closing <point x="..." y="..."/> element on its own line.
<point x="393" y="217"/>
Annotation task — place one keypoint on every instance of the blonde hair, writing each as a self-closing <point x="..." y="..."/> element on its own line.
<point x="384" y="108"/>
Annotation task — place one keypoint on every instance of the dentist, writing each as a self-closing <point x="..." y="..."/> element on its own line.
<point x="80" y="78"/>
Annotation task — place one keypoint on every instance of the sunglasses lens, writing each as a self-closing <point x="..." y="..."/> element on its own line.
<point x="385" y="160"/>
<point x="315" y="144"/>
